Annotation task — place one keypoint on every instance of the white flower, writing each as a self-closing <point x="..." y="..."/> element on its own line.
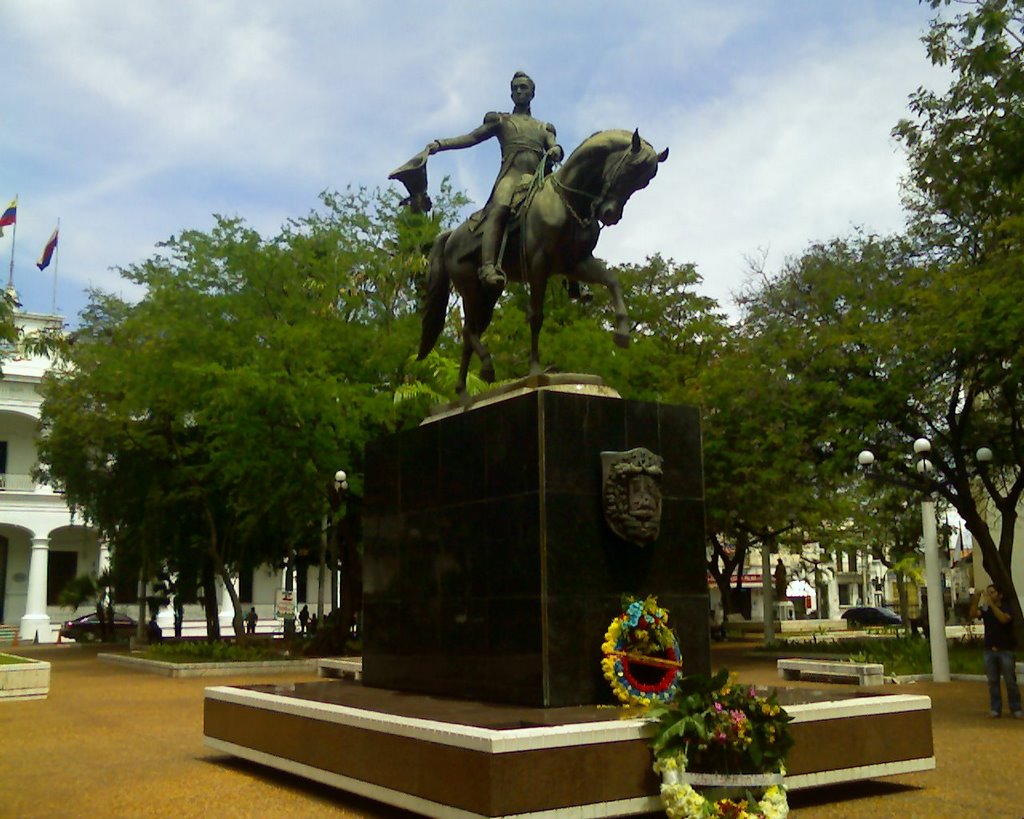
<point x="773" y="804"/>
<point x="682" y="802"/>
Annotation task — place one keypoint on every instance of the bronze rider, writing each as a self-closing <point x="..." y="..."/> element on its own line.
<point x="525" y="142"/>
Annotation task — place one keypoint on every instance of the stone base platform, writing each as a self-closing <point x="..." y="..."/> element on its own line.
<point x="458" y="758"/>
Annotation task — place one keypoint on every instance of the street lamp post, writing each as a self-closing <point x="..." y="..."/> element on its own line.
<point x="289" y="589"/>
<point x="933" y="576"/>
<point x="767" y="593"/>
<point x="340" y="487"/>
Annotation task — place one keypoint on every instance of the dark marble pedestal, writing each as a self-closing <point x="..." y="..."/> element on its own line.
<point x="489" y="570"/>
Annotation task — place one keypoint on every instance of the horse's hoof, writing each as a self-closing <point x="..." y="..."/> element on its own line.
<point x="487" y="375"/>
<point x="621" y="339"/>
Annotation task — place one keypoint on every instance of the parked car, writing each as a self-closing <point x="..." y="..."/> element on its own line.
<point x="872" y="616"/>
<point x="87" y="628"/>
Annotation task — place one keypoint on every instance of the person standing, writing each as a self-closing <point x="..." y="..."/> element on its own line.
<point x="250" y="621"/>
<point x="1000" y="644"/>
<point x="304" y="618"/>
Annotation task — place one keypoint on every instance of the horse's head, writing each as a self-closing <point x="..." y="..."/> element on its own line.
<point x="627" y="169"/>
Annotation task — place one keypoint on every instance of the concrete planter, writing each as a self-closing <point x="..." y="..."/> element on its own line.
<point x="166" y="669"/>
<point x="24" y="681"/>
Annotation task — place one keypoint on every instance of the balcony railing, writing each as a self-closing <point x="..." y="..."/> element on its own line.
<point x="13" y="482"/>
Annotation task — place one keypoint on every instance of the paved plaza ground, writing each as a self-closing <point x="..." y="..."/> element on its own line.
<point x="113" y="742"/>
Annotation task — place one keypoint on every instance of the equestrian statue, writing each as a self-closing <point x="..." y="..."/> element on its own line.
<point x="537" y="223"/>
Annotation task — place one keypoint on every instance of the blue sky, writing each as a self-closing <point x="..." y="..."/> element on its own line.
<point x="130" y="120"/>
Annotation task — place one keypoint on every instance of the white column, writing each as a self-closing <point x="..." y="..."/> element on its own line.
<point x="36" y="621"/>
<point x="936" y="618"/>
<point x="103" y="557"/>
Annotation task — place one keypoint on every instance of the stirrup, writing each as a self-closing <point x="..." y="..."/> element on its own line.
<point x="492" y="276"/>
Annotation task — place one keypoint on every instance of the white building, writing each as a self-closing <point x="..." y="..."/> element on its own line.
<point x="41" y="546"/>
<point x="818" y="584"/>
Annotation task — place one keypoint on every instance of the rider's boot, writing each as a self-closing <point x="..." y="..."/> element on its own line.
<point x="494" y="227"/>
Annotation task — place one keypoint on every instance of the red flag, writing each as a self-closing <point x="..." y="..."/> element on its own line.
<point x="47" y="254"/>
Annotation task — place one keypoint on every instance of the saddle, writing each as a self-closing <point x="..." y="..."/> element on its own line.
<point x="521" y="197"/>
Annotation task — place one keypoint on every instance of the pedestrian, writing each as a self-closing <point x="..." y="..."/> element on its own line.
<point x="1000" y="644"/>
<point x="153" y="631"/>
<point x="250" y="621"/>
<point x="312" y="625"/>
<point x="304" y="618"/>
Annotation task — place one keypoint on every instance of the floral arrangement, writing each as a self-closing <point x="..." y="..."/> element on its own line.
<point x="713" y="727"/>
<point x="641" y="653"/>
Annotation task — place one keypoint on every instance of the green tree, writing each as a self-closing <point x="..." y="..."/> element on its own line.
<point x="763" y="453"/>
<point x="966" y="144"/>
<point x="965" y="194"/>
<point x="870" y="350"/>
<point x="88" y="587"/>
<point x="213" y="414"/>
<point x="674" y="330"/>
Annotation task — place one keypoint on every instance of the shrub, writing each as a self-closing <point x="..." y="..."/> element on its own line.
<point x="206" y="652"/>
<point x="898" y="655"/>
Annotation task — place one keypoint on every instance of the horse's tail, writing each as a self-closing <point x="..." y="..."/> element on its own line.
<point x="435" y="303"/>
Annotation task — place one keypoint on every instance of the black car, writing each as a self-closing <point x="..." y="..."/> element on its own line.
<point x="872" y="616"/>
<point x="87" y="628"/>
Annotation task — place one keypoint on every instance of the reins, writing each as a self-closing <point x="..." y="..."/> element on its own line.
<point x="564" y="189"/>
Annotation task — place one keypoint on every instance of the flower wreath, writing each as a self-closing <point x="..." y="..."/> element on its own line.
<point x="721" y="749"/>
<point x="682" y="801"/>
<point x="641" y="654"/>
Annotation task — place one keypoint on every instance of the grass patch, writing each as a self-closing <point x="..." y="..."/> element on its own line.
<point x="206" y="652"/>
<point x="898" y="655"/>
<point x="10" y="659"/>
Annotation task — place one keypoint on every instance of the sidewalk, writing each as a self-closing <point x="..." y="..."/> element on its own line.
<point x="117" y="743"/>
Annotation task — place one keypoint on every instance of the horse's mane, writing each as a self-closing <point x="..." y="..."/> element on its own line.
<point x="605" y="141"/>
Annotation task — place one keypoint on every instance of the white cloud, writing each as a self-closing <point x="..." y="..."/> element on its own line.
<point x="795" y="155"/>
<point x="132" y="120"/>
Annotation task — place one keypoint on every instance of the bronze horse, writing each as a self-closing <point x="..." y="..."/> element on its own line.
<point x="555" y="235"/>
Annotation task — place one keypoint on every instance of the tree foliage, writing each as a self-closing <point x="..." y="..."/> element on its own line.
<point x="964" y="190"/>
<point x="675" y="331"/>
<point x="873" y="342"/>
<point x="203" y="425"/>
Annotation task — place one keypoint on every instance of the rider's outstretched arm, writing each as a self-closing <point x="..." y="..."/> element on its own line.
<point x="474" y="137"/>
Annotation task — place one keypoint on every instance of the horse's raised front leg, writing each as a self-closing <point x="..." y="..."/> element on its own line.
<point x="486" y="362"/>
<point x="594" y="271"/>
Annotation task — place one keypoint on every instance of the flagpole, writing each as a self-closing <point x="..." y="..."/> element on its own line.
<point x="56" y="267"/>
<point x="14" y="237"/>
